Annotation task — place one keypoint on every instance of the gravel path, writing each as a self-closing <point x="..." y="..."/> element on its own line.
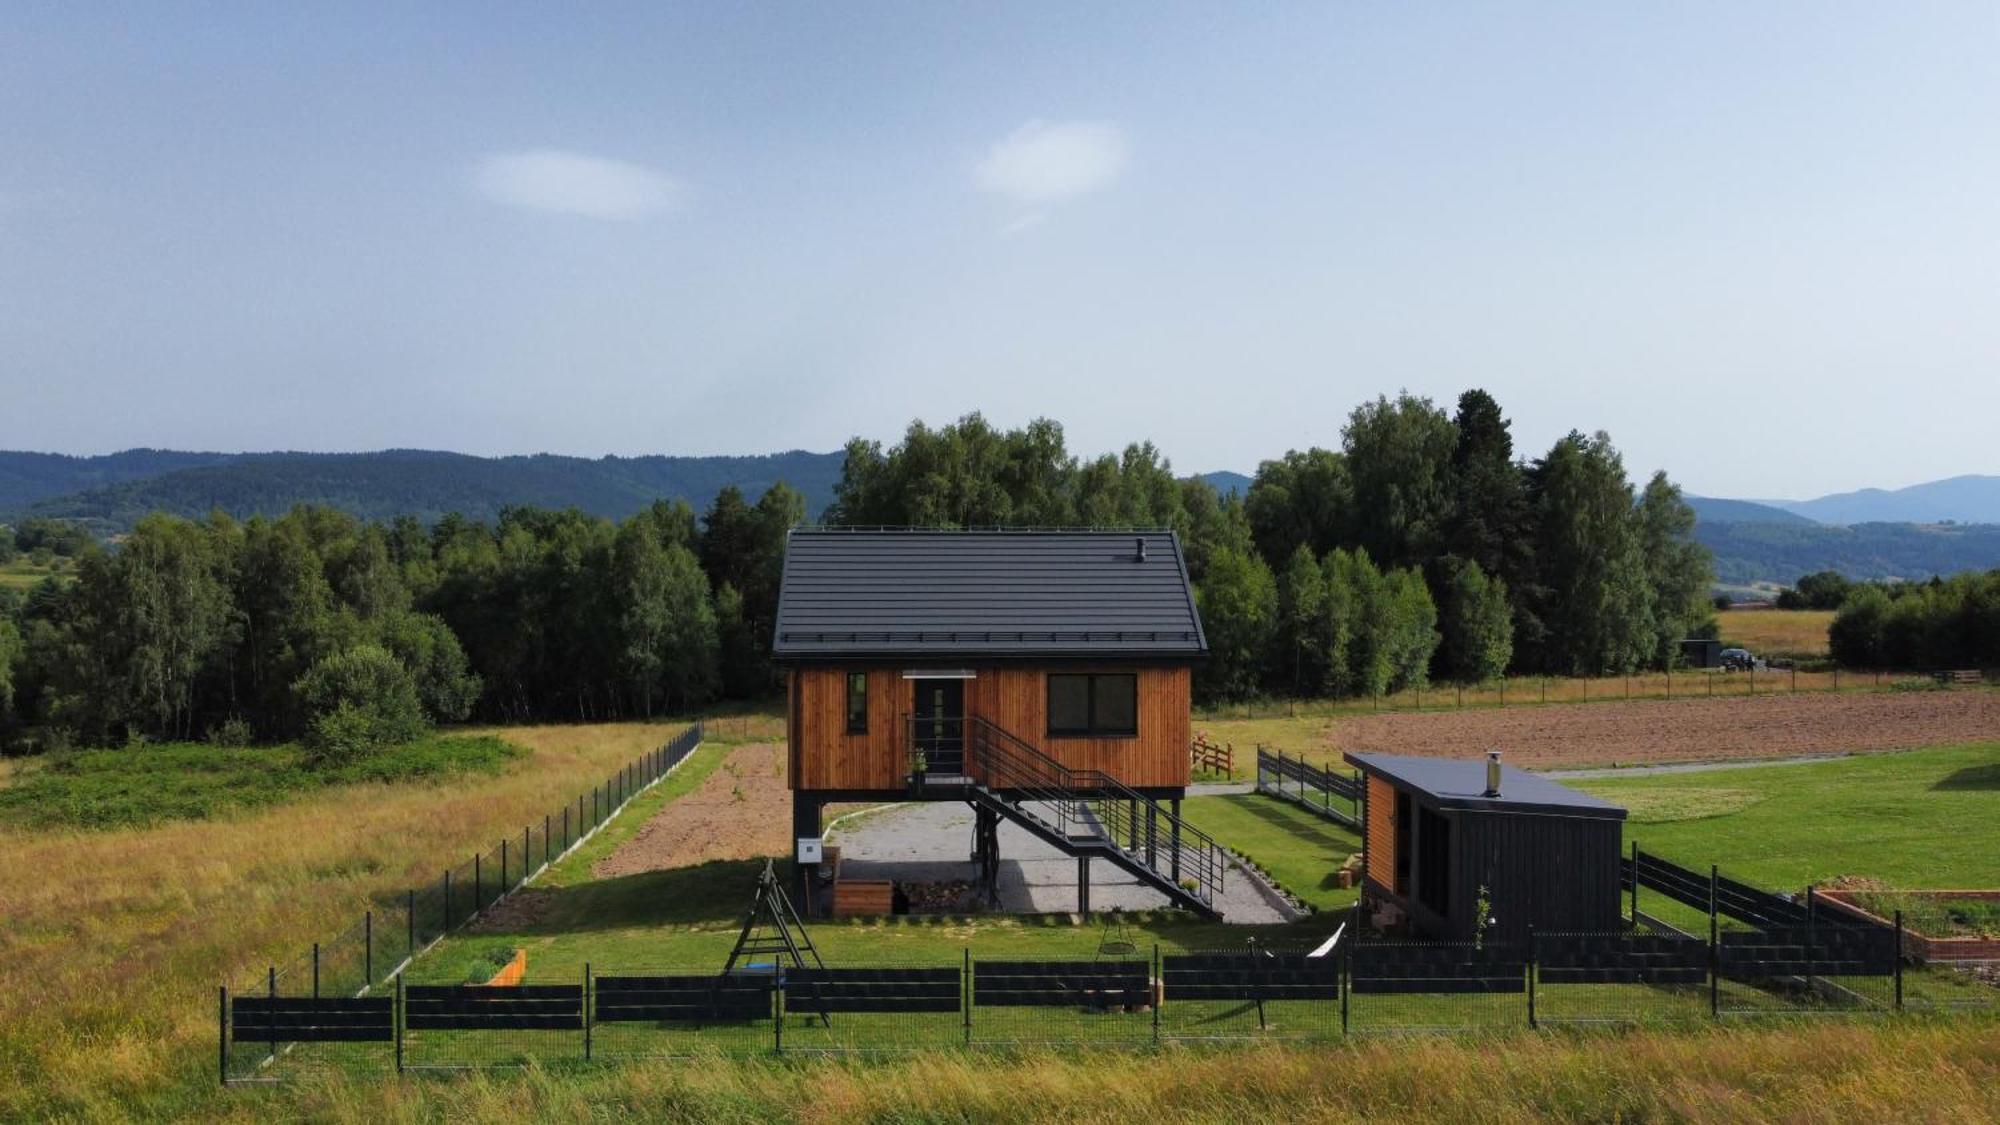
<point x="931" y="841"/>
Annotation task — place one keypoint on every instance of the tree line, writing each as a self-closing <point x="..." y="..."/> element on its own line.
<point x="1943" y="623"/>
<point x="1420" y="548"/>
<point x="348" y="635"/>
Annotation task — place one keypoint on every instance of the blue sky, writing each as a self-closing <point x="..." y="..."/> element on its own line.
<point x="1750" y="241"/>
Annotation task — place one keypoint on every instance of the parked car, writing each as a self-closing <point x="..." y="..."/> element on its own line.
<point x="1740" y="659"/>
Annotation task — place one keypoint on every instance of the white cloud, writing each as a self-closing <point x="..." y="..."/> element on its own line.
<point x="572" y="183"/>
<point x="1042" y="162"/>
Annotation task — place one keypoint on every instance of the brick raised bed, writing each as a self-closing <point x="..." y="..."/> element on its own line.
<point x="1924" y="947"/>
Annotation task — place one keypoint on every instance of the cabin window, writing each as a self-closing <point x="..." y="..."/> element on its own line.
<point x="1094" y="705"/>
<point x="857" y="703"/>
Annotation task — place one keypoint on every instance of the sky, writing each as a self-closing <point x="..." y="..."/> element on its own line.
<point x="1759" y="244"/>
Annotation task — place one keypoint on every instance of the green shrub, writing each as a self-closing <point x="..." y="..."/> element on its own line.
<point x="356" y="702"/>
<point x="232" y="733"/>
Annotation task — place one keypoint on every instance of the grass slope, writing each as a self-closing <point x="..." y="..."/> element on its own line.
<point x="114" y="941"/>
<point x="1299" y="850"/>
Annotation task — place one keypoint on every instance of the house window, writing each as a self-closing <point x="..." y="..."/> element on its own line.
<point x="857" y="703"/>
<point x="1100" y="705"/>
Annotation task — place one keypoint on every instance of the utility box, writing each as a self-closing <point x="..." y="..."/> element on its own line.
<point x="1441" y="835"/>
<point x="811" y="849"/>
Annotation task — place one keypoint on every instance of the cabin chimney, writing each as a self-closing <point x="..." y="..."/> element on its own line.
<point x="1492" y="773"/>
<point x="1140" y="541"/>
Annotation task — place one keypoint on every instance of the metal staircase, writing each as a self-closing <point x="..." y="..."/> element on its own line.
<point x="1088" y="813"/>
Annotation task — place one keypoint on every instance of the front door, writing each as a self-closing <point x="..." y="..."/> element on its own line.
<point x="937" y="726"/>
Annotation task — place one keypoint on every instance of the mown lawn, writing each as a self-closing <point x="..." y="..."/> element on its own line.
<point x="1301" y="851"/>
<point x="1916" y="819"/>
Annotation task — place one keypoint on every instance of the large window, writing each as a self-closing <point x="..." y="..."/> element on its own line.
<point x="857" y="703"/>
<point x="1100" y="705"/>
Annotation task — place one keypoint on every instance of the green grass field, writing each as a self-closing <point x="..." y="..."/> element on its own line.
<point x="116" y="939"/>
<point x="21" y="573"/>
<point x="1298" y="849"/>
<point x="1919" y="819"/>
<point x="141" y="786"/>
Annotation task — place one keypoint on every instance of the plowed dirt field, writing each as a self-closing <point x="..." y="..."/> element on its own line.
<point x="1680" y="730"/>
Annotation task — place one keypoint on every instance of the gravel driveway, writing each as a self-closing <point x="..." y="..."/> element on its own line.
<point x="931" y="841"/>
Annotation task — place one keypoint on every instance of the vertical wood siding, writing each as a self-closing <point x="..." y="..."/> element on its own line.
<point x="824" y="756"/>
<point x="1381" y="828"/>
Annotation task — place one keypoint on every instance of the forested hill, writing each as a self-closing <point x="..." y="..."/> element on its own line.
<point x="1774" y="552"/>
<point x="379" y="486"/>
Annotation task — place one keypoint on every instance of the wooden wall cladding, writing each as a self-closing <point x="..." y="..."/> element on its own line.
<point x="824" y="756"/>
<point x="1017" y="700"/>
<point x="1381" y="832"/>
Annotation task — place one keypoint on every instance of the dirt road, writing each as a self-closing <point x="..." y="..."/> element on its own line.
<point x="741" y="811"/>
<point x="1681" y="730"/>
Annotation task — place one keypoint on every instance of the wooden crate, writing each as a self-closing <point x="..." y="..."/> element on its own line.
<point x="856" y="898"/>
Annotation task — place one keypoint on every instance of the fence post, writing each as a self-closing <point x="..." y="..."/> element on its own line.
<point x="271" y="990"/>
<point x="1635" y="882"/>
<point x="1795" y="677"/>
<point x="447" y="902"/>
<point x="1545" y="688"/>
<point x="566" y="825"/>
<point x="548" y="821"/>
<point x="1811" y="911"/>
<point x="501" y="888"/>
<point x="528" y="842"/>
<point x="222" y="1033"/>
<point x="587" y="986"/>
<point x="1714" y="939"/>
<point x="1899" y="960"/>
<point x="1531" y="977"/>
<point x="1346" y="982"/>
<point x="965" y="994"/>
<point x="478" y="885"/>
<point x="396" y="1020"/>
<point x="368" y="948"/>
<point x="1159" y="997"/>
<point x="315" y="970"/>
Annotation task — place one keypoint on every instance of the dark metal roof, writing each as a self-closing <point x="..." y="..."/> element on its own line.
<point x="1008" y="594"/>
<point x="1460" y="783"/>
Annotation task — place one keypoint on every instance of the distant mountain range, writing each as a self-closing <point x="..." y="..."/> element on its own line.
<point x="1873" y="533"/>
<point x="119" y="488"/>
<point x="1966" y="499"/>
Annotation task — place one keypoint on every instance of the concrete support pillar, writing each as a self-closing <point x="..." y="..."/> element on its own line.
<point x="1083" y="886"/>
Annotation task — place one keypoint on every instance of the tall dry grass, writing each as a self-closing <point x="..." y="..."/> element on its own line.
<point x="1894" y="1071"/>
<point x="112" y="943"/>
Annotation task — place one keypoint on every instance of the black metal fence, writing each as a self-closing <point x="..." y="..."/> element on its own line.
<point x="1637" y="976"/>
<point x="333" y="992"/>
<point x="1336" y="796"/>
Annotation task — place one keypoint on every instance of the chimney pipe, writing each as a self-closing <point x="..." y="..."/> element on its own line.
<point x="1492" y="773"/>
<point x="1141" y="541"/>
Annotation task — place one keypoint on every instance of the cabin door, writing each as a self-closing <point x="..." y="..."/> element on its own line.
<point x="937" y="726"/>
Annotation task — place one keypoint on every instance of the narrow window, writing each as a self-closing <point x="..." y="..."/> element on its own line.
<point x="1101" y="705"/>
<point x="857" y="703"/>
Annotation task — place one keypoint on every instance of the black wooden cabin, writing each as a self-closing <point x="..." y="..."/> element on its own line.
<point x="1436" y="831"/>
